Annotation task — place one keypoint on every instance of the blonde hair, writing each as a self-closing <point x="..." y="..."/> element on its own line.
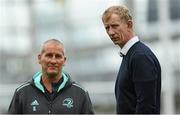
<point x="121" y="10"/>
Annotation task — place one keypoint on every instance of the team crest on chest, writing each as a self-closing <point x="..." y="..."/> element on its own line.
<point x="68" y="102"/>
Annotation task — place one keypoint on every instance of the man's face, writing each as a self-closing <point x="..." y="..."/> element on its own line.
<point x="117" y="30"/>
<point x="52" y="59"/>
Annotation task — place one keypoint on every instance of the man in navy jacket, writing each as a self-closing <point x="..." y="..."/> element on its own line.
<point x="138" y="84"/>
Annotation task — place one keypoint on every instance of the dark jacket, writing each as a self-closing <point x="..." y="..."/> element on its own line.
<point x="70" y="98"/>
<point x="138" y="84"/>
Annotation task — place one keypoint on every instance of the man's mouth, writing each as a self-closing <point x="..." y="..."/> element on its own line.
<point x="115" y="40"/>
<point x="51" y="68"/>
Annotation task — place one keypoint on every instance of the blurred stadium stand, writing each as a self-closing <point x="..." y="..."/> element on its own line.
<point x="92" y="59"/>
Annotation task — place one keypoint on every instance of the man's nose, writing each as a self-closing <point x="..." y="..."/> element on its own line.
<point x="53" y="59"/>
<point x="111" y="32"/>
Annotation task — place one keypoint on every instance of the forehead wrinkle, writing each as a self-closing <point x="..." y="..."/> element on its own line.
<point x="61" y="46"/>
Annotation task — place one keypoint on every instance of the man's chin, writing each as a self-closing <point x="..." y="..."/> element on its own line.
<point x="118" y="44"/>
<point x="115" y="43"/>
<point x="52" y="74"/>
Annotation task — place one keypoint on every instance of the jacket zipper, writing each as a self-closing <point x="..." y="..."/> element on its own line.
<point x="50" y="109"/>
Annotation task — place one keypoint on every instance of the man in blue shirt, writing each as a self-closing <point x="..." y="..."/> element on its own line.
<point x="138" y="84"/>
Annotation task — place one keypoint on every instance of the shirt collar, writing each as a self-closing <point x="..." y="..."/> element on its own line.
<point x="128" y="45"/>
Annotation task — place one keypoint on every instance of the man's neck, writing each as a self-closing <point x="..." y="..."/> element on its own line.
<point x="127" y="39"/>
<point x="47" y="81"/>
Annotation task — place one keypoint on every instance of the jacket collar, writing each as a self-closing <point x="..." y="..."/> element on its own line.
<point x="128" y="45"/>
<point x="37" y="78"/>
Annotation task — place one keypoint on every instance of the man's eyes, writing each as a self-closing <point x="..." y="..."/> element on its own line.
<point x="59" y="56"/>
<point x="115" y="25"/>
<point x="112" y="26"/>
<point x="51" y="56"/>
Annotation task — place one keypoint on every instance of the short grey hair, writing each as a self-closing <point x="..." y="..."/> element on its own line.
<point x="52" y="40"/>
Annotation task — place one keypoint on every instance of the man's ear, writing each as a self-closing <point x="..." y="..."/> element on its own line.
<point x="130" y="24"/>
<point x="64" y="61"/>
<point x="39" y="58"/>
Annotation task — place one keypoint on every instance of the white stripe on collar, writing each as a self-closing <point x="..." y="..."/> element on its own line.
<point x="128" y="45"/>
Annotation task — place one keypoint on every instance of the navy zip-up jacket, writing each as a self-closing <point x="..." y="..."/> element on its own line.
<point x="138" y="84"/>
<point x="70" y="98"/>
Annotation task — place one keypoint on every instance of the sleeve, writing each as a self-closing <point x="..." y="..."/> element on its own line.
<point x="145" y="83"/>
<point x="15" y="107"/>
<point x="87" y="105"/>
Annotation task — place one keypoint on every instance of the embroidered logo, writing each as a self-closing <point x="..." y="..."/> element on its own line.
<point x="34" y="104"/>
<point x="68" y="102"/>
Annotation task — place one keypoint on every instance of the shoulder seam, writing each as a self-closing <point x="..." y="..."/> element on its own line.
<point x="79" y="87"/>
<point x="22" y="86"/>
